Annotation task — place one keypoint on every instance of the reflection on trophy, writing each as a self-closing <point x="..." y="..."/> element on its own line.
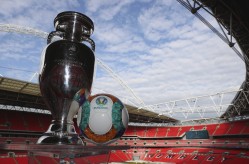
<point x="68" y="69"/>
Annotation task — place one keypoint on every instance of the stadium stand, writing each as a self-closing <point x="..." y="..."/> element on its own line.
<point x="32" y="122"/>
<point x="36" y="126"/>
<point x="171" y="155"/>
<point x="20" y="160"/>
<point x="176" y="155"/>
<point x="228" y="142"/>
<point x="245" y="129"/>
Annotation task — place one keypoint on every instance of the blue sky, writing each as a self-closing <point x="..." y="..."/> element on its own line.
<point x="158" y="48"/>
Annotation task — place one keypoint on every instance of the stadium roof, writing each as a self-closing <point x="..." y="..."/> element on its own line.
<point x="233" y="16"/>
<point x="18" y="93"/>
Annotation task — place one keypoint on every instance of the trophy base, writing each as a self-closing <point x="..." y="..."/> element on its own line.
<point x="57" y="140"/>
<point x="60" y="134"/>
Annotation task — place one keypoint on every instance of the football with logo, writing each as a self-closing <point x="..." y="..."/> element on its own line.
<point x="102" y="118"/>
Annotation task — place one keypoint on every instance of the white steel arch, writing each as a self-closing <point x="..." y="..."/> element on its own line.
<point x="213" y="104"/>
<point x="23" y="30"/>
<point x="41" y="34"/>
<point x="120" y="81"/>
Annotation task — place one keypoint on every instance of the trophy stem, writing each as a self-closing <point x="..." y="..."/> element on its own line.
<point x="60" y="133"/>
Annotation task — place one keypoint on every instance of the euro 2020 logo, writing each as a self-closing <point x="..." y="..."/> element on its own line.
<point x="101" y="101"/>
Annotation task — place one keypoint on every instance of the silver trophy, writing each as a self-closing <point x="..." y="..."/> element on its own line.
<point x="67" y="71"/>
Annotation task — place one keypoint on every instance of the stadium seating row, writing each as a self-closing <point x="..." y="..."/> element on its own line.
<point x="217" y="143"/>
<point x="208" y="143"/>
<point x="24" y="121"/>
<point x="167" y="155"/>
<point x="179" y="155"/>
<point x="233" y="128"/>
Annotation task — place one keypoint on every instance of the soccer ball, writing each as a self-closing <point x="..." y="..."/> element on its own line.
<point x="102" y="118"/>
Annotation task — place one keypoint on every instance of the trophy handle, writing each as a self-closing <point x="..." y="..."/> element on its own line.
<point x="54" y="34"/>
<point x="89" y="40"/>
<point x="60" y="35"/>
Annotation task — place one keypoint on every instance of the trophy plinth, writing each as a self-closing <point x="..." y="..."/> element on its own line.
<point x="60" y="133"/>
<point x="68" y="68"/>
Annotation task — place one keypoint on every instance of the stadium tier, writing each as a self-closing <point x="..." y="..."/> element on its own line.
<point x="227" y="142"/>
<point x="169" y="155"/>
<point x="17" y="121"/>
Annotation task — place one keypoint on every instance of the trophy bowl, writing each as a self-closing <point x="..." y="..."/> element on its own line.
<point x="68" y="67"/>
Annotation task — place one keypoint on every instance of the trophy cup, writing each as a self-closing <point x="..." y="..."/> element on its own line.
<point x="68" y="69"/>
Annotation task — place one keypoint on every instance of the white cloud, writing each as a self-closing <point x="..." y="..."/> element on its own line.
<point x="107" y="9"/>
<point x="31" y="13"/>
<point x="15" y="6"/>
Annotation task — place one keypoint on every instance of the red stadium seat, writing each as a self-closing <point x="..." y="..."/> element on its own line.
<point x="7" y="160"/>
<point x="221" y="129"/>
<point x="161" y="132"/>
<point x="130" y="131"/>
<point x="33" y="122"/>
<point x="22" y="160"/>
<point x="4" y="125"/>
<point x="140" y="131"/>
<point x="151" y="132"/>
<point x="16" y="121"/>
